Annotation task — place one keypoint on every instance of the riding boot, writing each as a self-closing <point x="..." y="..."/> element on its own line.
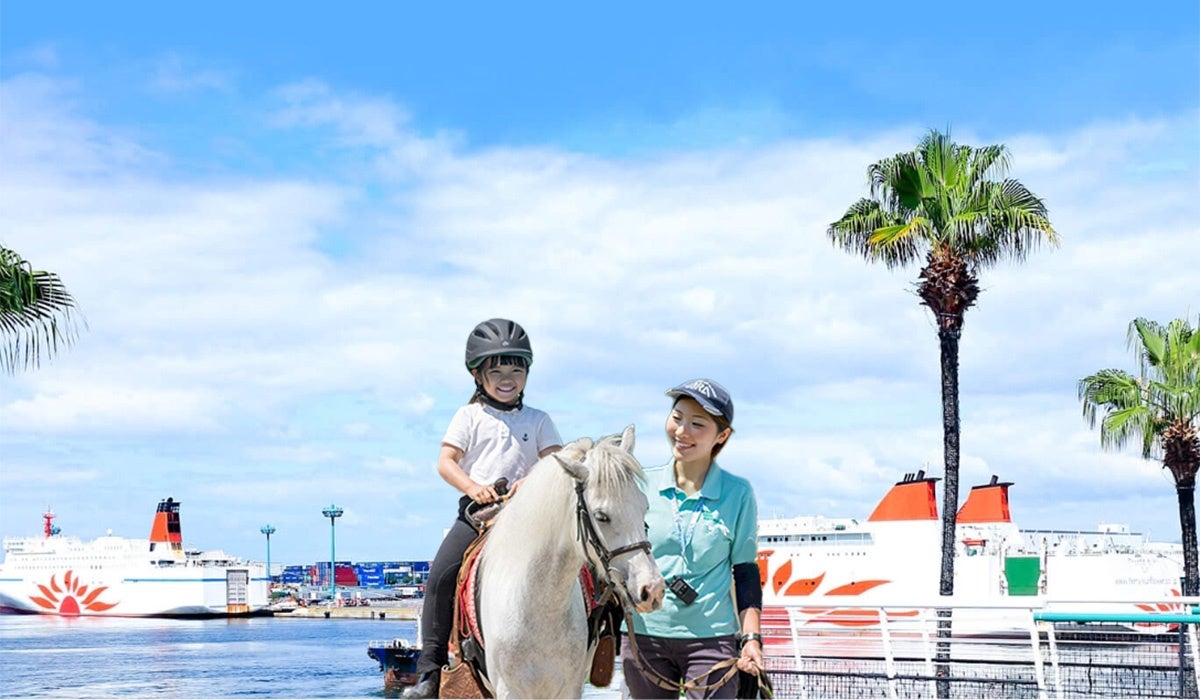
<point x="427" y="687"/>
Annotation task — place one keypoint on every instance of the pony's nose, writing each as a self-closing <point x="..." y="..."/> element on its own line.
<point x="652" y="596"/>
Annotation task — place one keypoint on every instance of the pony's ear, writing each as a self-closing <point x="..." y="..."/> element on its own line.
<point x="578" y="470"/>
<point x="627" y="439"/>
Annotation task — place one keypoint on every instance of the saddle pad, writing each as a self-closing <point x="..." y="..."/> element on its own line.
<point x="588" y="584"/>
<point x="468" y="615"/>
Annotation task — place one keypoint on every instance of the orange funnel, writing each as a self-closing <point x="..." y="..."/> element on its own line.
<point x="987" y="503"/>
<point x="912" y="498"/>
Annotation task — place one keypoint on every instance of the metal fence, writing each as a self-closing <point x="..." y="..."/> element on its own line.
<point x="1048" y="650"/>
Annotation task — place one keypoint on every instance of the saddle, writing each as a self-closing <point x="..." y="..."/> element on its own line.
<point x="466" y="675"/>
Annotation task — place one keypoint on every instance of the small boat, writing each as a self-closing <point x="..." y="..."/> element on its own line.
<point x="122" y="577"/>
<point x="397" y="659"/>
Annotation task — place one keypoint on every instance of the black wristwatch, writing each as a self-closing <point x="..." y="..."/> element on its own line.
<point x="749" y="637"/>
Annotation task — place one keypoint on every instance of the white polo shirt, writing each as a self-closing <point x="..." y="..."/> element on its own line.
<point x="500" y="443"/>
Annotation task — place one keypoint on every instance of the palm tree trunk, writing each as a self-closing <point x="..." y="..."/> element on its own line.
<point x="1187" y="525"/>
<point x="948" y="339"/>
<point x="1186" y="492"/>
<point x="950" y="442"/>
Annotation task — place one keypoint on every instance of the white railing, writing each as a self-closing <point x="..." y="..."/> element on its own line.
<point x="1016" y="647"/>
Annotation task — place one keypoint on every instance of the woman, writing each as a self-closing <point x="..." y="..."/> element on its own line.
<point x="702" y="526"/>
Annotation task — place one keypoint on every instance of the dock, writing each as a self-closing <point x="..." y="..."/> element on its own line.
<point x="355" y="613"/>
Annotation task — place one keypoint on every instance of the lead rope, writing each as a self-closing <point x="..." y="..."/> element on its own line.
<point x="674" y="685"/>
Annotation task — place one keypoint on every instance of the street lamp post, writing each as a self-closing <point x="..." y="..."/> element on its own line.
<point x="268" y="530"/>
<point x="333" y="513"/>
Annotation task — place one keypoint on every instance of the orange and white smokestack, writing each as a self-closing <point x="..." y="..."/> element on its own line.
<point x="166" y="529"/>
<point x="987" y="503"/>
<point x="912" y="498"/>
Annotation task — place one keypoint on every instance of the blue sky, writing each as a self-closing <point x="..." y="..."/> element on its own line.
<point x="281" y="221"/>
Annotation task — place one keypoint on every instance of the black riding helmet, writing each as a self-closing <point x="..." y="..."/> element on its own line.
<point x="497" y="336"/>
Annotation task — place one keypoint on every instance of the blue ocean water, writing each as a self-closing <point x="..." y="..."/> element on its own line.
<point x="44" y="656"/>
<point x="278" y="657"/>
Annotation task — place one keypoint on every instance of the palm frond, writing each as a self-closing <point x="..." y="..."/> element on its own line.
<point x="1149" y="342"/>
<point x="1120" y="426"/>
<point x="1107" y="388"/>
<point x="1158" y="404"/>
<point x="987" y="162"/>
<point x="1018" y="220"/>
<point x="856" y="230"/>
<point x="36" y="313"/>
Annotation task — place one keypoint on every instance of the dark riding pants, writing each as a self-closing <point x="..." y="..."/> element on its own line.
<point x="437" y="612"/>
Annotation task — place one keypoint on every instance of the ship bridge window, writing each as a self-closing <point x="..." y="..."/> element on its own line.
<point x="837" y="538"/>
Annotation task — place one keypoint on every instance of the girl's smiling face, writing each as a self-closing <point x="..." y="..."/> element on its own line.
<point x="693" y="432"/>
<point x="502" y="382"/>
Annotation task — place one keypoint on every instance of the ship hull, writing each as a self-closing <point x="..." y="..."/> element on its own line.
<point x="146" y="591"/>
<point x="398" y="661"/>
<point x="885" y="574"/>
<point x="122" y="577"/>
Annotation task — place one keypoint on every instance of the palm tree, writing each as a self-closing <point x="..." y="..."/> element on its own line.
<point x="36" y="313"/>
<point x="1160" y="409"/>
<point x="941" y="204"/>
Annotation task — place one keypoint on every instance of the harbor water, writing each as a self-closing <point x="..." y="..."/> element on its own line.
<point x="282" y="657"/>
<point x="45" y="656"/>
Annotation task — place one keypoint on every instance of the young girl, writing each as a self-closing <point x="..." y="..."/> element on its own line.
<point x="702" y="526"/>
<point x="495" y="435"/>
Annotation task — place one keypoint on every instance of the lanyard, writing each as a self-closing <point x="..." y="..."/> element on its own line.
<point x="685" y="536"/>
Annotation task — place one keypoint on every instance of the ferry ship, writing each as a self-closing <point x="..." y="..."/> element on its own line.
<point x="893" y="558"/>
<point x="120" y="577"/>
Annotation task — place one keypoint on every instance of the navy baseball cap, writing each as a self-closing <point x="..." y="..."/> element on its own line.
<point x="711" y="396"/>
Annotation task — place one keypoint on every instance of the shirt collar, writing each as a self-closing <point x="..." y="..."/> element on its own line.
<point x="713" y="481"/>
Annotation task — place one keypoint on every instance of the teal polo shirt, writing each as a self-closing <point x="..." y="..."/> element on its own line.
<point x="699" y="538"/>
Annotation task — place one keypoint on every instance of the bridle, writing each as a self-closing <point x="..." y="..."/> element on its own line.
<point x="585" y="529"/>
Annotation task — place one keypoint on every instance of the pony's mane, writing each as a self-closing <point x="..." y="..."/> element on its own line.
<point x="611" y="467"/>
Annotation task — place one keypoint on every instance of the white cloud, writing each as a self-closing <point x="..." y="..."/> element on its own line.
<point x="224" y="331"/>
<point x="363" y="122"/>
<point x="294" y="454"/>
<point x="173" y="73"/>
<point x="96" y="405"/>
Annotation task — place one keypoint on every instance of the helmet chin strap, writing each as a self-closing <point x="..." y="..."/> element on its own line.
<point x="487" y="400"/>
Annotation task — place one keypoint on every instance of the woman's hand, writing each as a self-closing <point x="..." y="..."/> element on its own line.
<point x="751" y="658"/>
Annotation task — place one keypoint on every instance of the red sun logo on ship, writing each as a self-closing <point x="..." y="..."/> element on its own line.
<point x="787" y="586"/>
<point x="1161" y="608"/>
<point x="71" y="598"/>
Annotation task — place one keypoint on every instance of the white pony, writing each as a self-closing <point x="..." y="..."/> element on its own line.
<point x="532" y="614"/>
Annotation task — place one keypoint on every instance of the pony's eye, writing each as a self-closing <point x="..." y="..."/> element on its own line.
<point x="602" y="517"/>
<point x="646" y="527"/>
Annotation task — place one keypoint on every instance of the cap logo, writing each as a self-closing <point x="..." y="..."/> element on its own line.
<point x="702" y="387"/>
